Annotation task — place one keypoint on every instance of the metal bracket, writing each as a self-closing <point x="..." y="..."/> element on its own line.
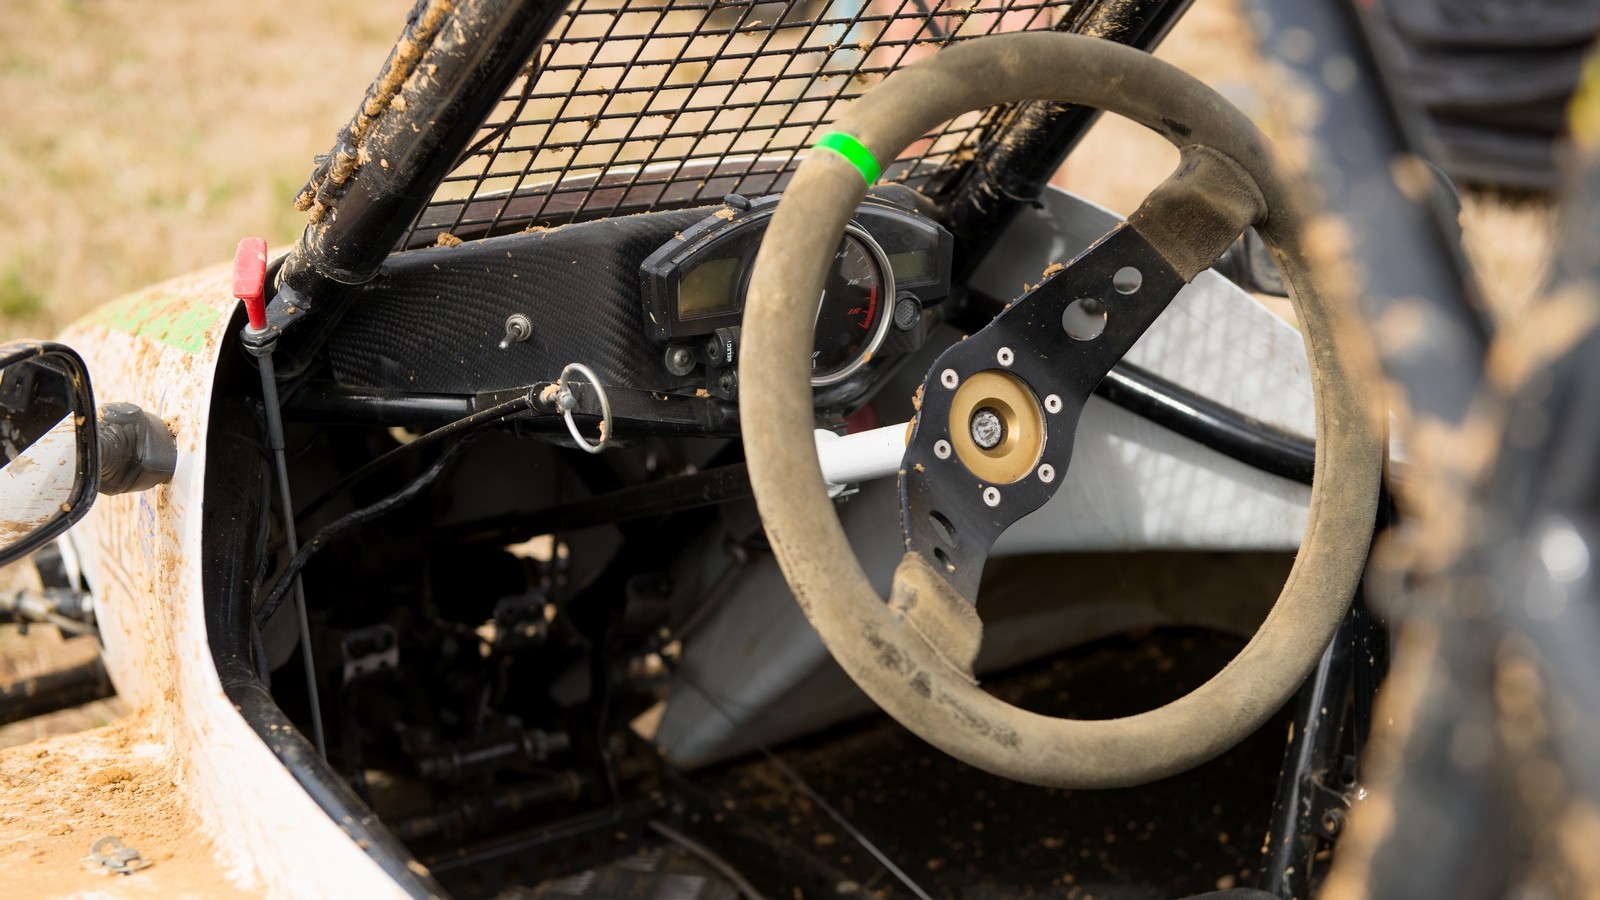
<point x="368" y="650"/>
<point x="1326" y="808"/>
<point x="1034" y="367"/>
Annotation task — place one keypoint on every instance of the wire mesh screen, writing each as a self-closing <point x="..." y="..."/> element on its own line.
<point x="632" y="105"/>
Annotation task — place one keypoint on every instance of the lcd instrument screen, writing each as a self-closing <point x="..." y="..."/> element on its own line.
<point x="911" y="265"/>
<point x="709" y="289"/>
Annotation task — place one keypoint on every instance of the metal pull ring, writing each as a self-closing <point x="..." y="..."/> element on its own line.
<point x="110" y="852"/>
<point x="568" y="402"/>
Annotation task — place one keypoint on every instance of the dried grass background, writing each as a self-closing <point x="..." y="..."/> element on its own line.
<point x="142" y="138"/>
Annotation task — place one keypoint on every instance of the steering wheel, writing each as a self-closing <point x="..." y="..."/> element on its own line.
<point x="998" y="412"/>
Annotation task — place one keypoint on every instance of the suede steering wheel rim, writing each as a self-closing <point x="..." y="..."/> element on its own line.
<point x="913" y="652"/>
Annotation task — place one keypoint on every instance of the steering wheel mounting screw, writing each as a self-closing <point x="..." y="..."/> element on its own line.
<point x="988" y="430"/>
<point x="1005" y="356"/>
<point x="1047" y="473"/>
<point x="991" y="496"/>
<point x="949" y="379"/>
<point x="1052" y="403"/>
<point x="941" y="449"/>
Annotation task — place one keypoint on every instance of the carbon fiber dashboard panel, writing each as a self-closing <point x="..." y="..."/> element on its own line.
<point x="433" y="319"/>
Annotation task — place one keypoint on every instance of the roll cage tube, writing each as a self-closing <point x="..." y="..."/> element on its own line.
<point x="421" y="127"/>
<point x="913" y="654"/>
<point x="473" y="50"/>
<point x="1041" y="133"/>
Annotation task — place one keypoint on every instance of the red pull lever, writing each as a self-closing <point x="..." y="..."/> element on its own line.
<point x="250" y="279"/>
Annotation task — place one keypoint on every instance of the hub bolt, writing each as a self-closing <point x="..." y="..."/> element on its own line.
<point x="987" y="428"/>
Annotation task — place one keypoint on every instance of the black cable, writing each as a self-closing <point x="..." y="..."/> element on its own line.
<point x="492" y="414"/>
<point x="274" y="599"/>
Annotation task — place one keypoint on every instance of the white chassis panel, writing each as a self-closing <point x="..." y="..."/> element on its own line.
<point x="140" y="555"/>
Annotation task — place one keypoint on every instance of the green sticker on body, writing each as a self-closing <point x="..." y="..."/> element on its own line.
<point x="172" y="319"/>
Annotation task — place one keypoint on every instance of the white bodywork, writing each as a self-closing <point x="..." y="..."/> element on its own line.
<point x="140" y="555"/>
<point x="1131" y="484"/>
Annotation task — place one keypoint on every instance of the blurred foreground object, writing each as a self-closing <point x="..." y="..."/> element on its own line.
<point x="1495" y="76"/>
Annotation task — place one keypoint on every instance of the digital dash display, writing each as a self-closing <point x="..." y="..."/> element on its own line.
<point x="912" y="265"/>
<point x="710" y="288"/>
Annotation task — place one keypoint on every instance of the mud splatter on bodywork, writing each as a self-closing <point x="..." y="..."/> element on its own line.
<point x="140" y="555"/>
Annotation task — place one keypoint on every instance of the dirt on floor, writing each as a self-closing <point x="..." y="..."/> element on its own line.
<point x="61" y="795"/>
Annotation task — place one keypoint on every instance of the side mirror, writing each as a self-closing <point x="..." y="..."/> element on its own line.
<point x="56" y="453"/>
<point x="49" y="454"/>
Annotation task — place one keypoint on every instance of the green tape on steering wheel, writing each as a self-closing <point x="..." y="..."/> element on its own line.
<point x="853" y="151"/>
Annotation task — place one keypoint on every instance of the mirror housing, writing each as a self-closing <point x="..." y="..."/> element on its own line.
<point x="45" y="396"/>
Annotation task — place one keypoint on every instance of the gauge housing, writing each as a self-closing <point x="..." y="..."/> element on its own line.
<point x="836" y="310"/>
<point x="694" y="284"/>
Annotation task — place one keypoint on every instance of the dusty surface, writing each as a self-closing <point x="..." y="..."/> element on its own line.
<point x="960" y="832"/>
<point x="60" y="795"/>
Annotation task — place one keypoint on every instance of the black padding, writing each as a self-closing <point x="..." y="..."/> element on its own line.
<point x="432" y="319"/>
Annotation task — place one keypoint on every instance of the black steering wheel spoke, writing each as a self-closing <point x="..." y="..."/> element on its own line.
<point x="999" y="411"/>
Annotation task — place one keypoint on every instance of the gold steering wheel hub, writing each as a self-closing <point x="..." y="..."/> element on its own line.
<point x="997" y="427"/>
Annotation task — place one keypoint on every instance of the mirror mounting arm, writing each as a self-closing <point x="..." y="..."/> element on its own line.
<point x="137" y="452"/>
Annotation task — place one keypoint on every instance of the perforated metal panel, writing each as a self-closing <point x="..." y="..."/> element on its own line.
<point x="644" y="104"/>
